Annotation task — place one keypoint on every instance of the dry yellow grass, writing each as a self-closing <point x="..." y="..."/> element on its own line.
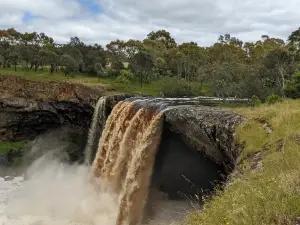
<point x="267" y="188"/>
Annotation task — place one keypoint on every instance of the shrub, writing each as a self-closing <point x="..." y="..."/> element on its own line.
<point x="127" y="74"/>
<point x="123" y="80"/>
<point x="273" y="99"/>
<point x="255" y="101"/>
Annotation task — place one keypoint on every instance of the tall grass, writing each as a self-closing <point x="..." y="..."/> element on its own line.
<point x="267" y="189"/>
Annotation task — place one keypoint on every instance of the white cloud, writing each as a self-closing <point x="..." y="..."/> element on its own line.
<point x="187" y="20"/>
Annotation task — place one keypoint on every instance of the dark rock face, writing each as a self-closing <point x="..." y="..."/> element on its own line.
<point x="182" y="172"/>
<point x="28" y="108"/>
<point x="7" y="159"/>
<point x="26" y="122"/>
<point x="209" y="130"/>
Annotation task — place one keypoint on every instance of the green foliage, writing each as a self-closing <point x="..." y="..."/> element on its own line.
<point x="255" y="101"/>
<point x="230" y="66"/>
<point x="292" y="88"/>
<point x="171" y="87"/>
<point x="6" y="146"/>
<point x="272" y="99"/>
<point x="127" y="74"/>
<point x="123" y="80"/>
<point x="69" y="64"/>
<point x="99" y="69"/>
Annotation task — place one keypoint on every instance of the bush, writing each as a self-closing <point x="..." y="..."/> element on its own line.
<point x="273" y="99"/>
<point x="127" y="74"/>
<point x="292" y="89"/>
<point x="255" y="101"/>
<point x="172" y="87"/>
<point x="123" y="80"/>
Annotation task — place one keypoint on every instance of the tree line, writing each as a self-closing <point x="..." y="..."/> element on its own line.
<point x="269" y="66"/>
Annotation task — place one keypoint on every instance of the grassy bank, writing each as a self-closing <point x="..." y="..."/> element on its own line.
<point x="109" y="83"/>
<point x="267" y="187"/>
<point x="6" y="146"/>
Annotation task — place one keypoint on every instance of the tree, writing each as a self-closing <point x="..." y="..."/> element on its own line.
<point x="164" y="37"/>
<point x="69" y="64"/>
<point x="99" y="69"/>
<point x="292" y="88"/>
<point x="142" y="65"/>
<point x="14" y="57"/>
<point x="275" y="69"/>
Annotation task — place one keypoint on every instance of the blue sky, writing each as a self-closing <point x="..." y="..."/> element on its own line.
<point x="102" y="21"/>
<point x="92" y="5"/>
<point x="28" y="16"/>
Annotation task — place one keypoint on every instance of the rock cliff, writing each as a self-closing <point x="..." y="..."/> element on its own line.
<point x="28" y="107"/>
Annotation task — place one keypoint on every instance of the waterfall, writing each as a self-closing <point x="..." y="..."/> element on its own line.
<point x="126" y="155"/>
<point x="94" y="131"/>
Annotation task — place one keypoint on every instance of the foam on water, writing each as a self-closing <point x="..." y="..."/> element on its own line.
<point x="54" y="193"/>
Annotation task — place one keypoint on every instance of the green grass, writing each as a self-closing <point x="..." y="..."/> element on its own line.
<point x="6" y="146"/>
<point x="46" y="76"/>
<point x="270" y="194"/>
<point x="108" y="82"/>
<point x="87" y="79"/>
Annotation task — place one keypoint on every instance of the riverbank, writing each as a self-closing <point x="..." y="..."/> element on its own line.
<point x="265" y="186"/>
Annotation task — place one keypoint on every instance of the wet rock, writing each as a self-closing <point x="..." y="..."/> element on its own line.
<point x="182" y="172"/>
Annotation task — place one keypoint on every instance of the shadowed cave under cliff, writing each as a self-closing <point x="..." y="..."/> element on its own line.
<point x="181" y="171"/>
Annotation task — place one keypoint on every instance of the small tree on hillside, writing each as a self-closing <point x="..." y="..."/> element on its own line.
<point x="69" y="64"/>
<point x="99" y="69"/>
<point x="14" y="58"/>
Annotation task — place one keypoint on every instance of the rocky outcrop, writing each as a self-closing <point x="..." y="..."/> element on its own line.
<point x="28" y="108"/>
<point x="206" y="129"/>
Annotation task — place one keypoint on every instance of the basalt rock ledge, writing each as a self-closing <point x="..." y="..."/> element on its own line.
<point x="28" y="108"/>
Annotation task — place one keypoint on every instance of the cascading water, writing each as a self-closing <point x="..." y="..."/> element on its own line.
<point x="92" y="142"/>
<point x="126" y="155"/>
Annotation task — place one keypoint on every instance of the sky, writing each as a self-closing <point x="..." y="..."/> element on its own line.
<point x="102" y="21"/>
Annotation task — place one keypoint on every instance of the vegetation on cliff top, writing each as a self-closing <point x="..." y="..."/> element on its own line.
<point x="229" y="67"/>
<point x="265" y="187"/>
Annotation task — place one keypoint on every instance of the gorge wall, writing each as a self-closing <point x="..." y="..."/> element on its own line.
<point x="28" y="108"/>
